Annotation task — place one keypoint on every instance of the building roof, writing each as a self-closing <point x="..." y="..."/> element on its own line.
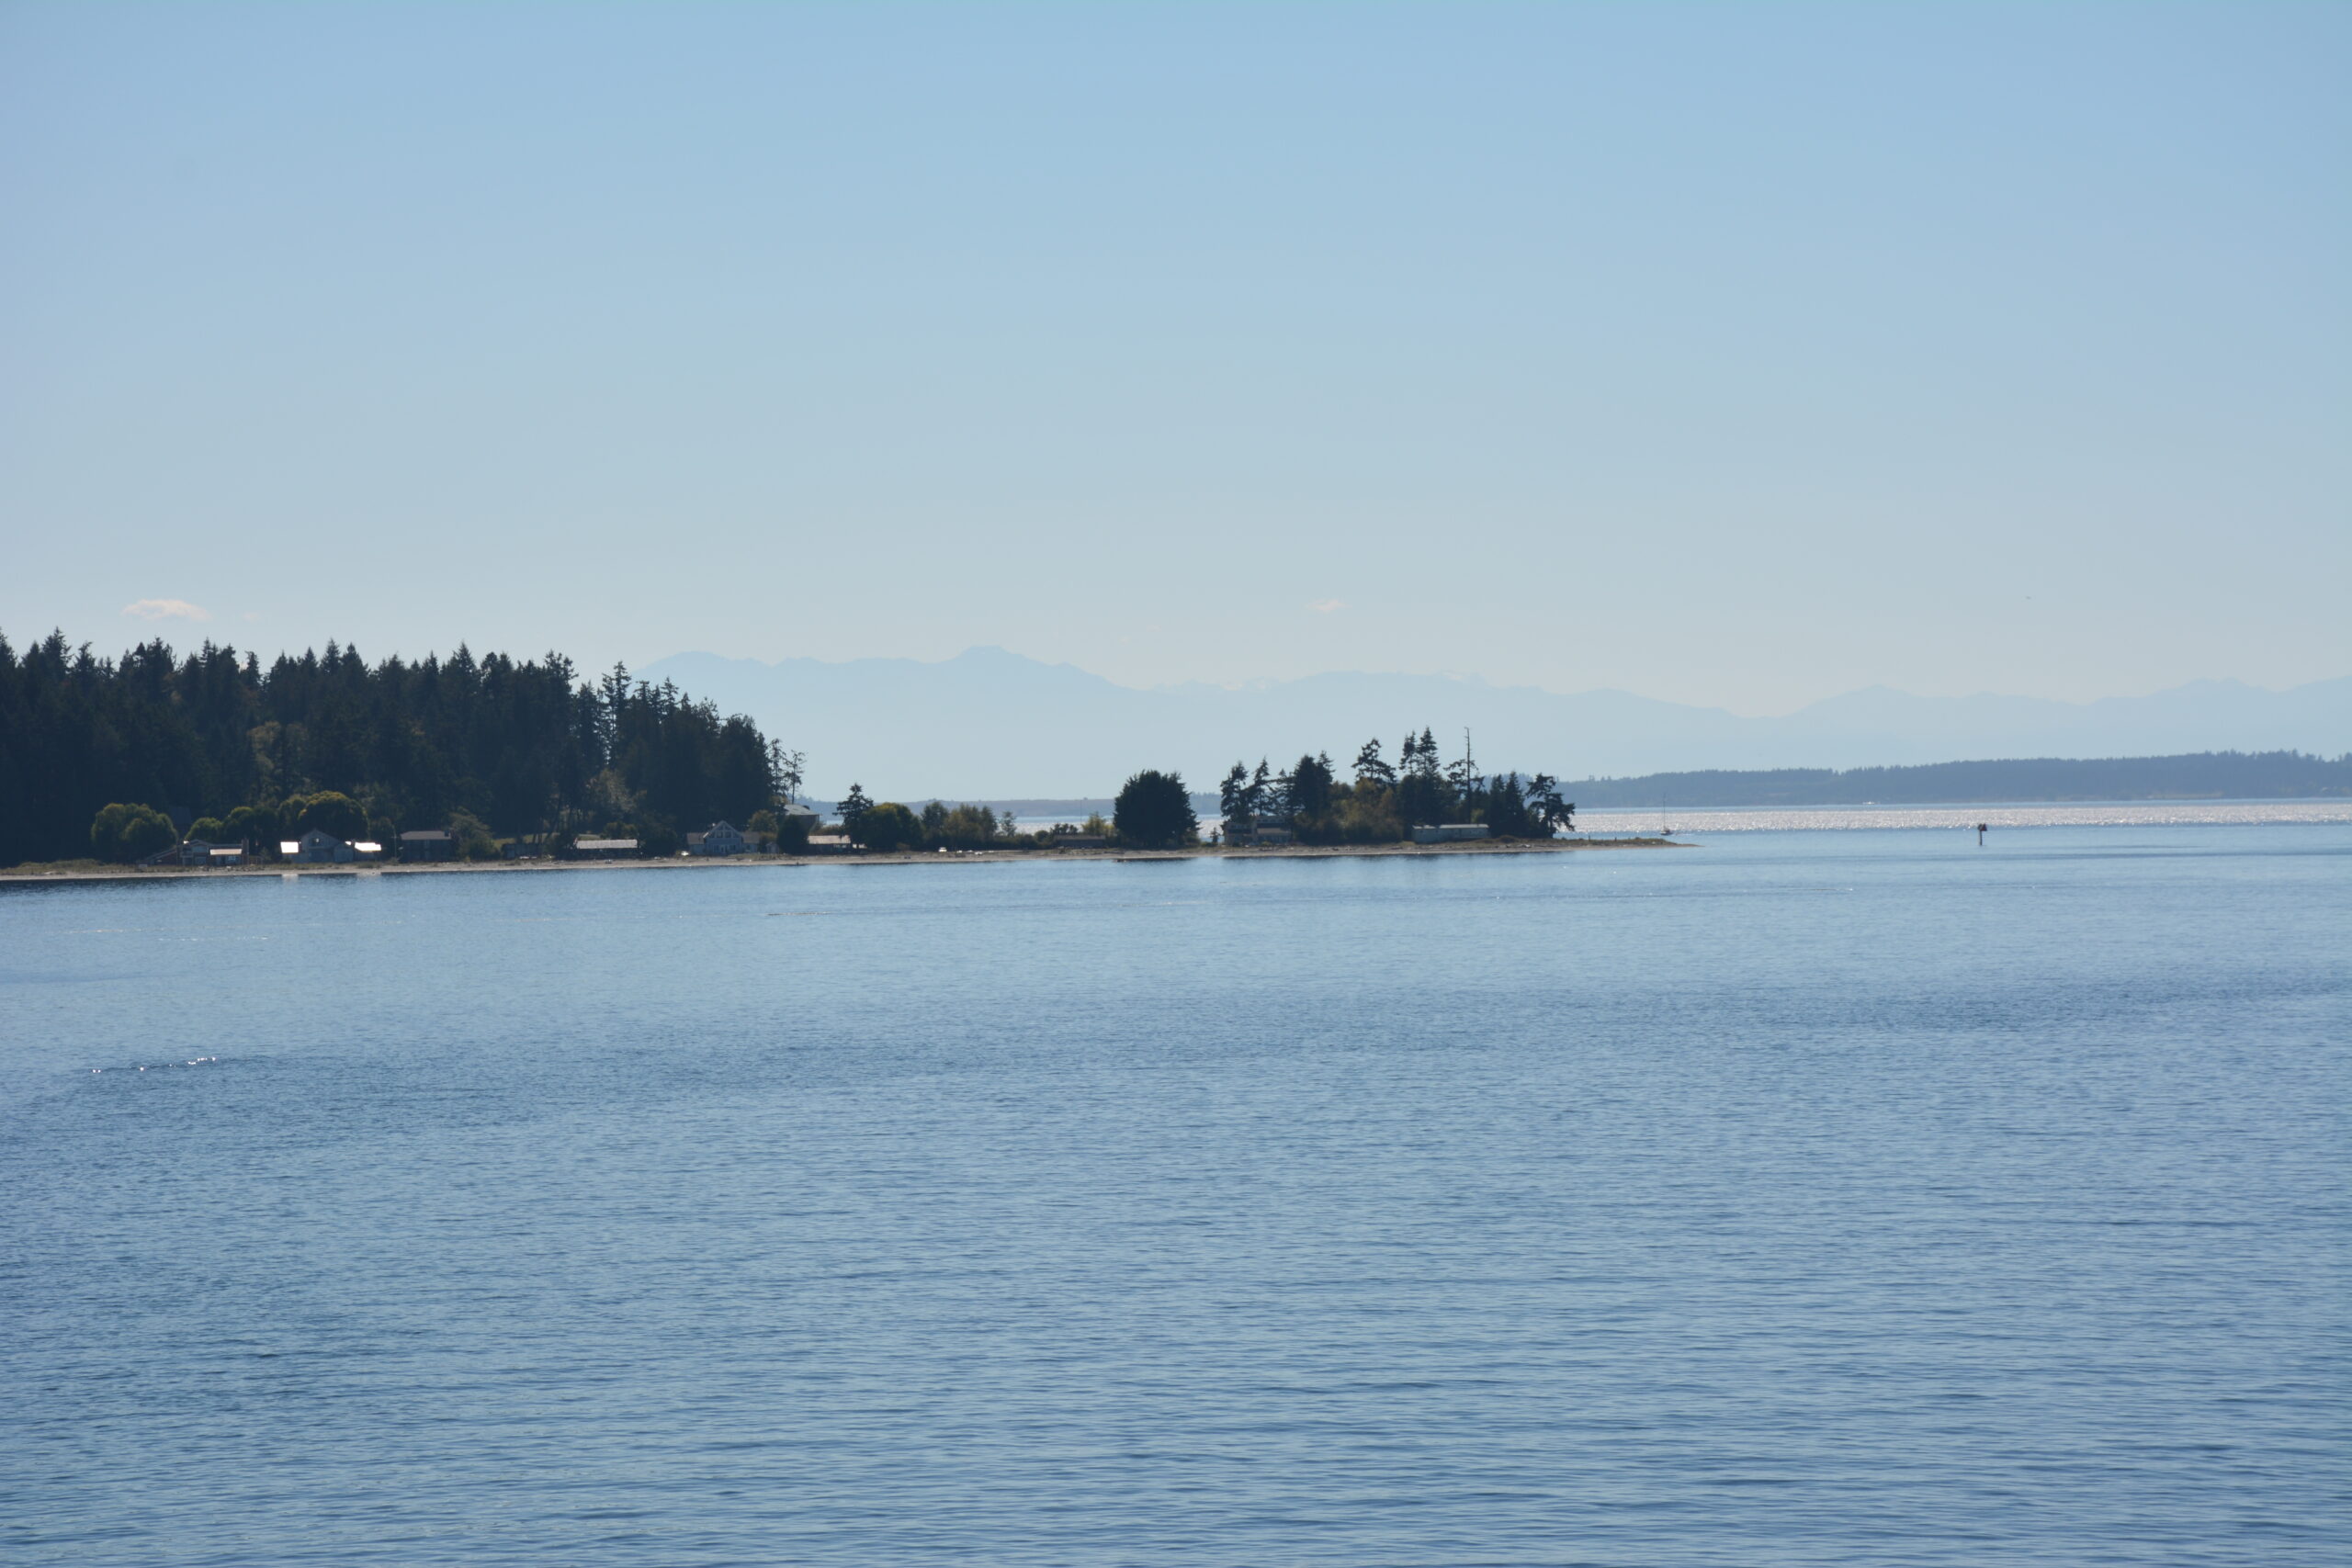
<point x="604" y="844"/>
<point x="426" y="835"/>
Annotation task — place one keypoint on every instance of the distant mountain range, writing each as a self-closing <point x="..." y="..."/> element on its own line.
<point x="989" y="724"/>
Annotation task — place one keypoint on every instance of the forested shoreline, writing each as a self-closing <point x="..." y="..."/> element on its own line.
<point x="125" y="758"/>
<point x="489" y="747"/>
<point x="115" y="759"/>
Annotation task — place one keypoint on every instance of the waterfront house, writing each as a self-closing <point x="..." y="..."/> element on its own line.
<point x="319" y="847"/>
<point x="198" y="851"/>
<point x="429" y="843"/>
<point x="1451" y="832"/>
<point x="719" y="839"/>
<point x="603" y="849"/>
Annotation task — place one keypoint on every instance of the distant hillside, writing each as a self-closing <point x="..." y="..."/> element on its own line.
<point x="989" y="724"/>
<point x="2201" y="775"/>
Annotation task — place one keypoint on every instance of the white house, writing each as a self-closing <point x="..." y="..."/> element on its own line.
<point x="1451" y="832"/>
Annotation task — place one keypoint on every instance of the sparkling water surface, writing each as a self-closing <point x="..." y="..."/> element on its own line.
<point x="1795" y="1198"/>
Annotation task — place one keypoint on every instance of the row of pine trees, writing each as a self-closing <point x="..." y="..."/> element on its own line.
<point x="491" y="744"/>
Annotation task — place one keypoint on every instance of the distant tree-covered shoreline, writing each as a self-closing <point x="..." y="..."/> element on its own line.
<point x="2201" y="775"/>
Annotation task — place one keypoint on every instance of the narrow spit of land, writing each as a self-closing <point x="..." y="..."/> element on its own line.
<point x="934" y="857"/>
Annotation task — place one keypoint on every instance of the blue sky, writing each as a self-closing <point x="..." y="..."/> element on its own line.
<point x="1733" y="354"/>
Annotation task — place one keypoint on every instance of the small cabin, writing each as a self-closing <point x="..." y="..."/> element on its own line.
<point x="604" y="848"/>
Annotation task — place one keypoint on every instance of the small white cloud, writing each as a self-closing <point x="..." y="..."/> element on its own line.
<point x="1325" y="606"/>
<point x="166" y="610"/>
<point x="253" y="614"/>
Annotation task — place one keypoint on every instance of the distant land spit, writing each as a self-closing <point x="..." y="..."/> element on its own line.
<point x="2200" y="775"/>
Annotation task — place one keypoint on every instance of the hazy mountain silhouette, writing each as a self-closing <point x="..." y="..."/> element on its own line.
<point x="992" y="724"/>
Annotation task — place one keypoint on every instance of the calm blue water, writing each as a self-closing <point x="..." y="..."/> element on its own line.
<point x="1800" y="1198"/>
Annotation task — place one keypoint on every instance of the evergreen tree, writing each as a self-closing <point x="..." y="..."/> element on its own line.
<point x="1423" y="794"/>
<point x="1232" y="795"/>
<point x="1155" y="811"/>
<point x="1544" y="799"/>
<point x="1310" y="788"/>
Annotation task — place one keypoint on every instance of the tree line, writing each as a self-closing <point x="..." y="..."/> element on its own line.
<point x="115" y="758"/>
<point x="1384" y="801"/>
<point x="1153" y="811"/>
<point x="485" y="746"/>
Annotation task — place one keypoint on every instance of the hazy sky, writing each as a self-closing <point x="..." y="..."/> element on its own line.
<point x="1735" y="355"/>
